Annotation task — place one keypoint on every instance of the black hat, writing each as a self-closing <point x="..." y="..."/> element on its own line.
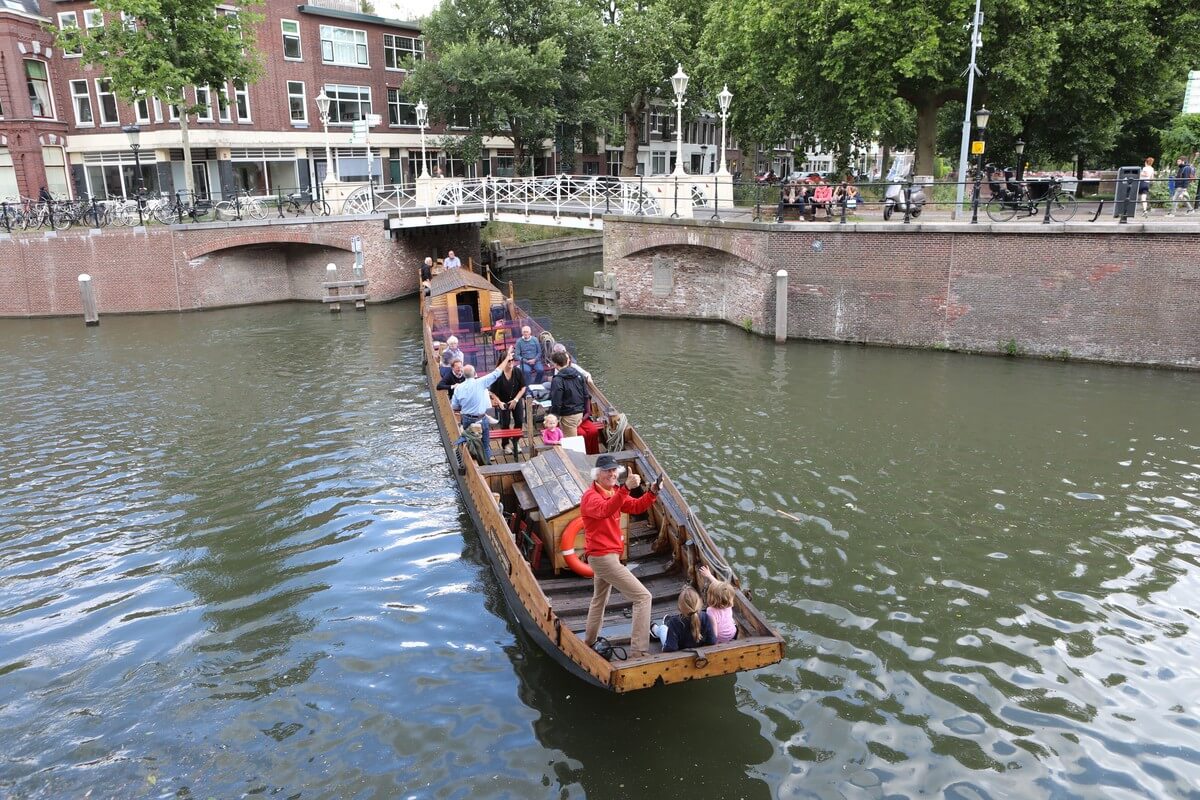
<point x="605" y="462"/>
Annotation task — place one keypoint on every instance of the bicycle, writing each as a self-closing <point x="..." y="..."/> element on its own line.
<point x="299" y="203"/>
<point x="44" y="214"/>
<point x="242" y="202"/>
<point x="173" y="213"/>
<point x="1013" y="198"/>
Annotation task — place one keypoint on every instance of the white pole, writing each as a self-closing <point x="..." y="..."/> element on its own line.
<point x="966" y="126"/>
<point x="723" y="170"/>
<point x="781" y="305"/>
<point x="87" y="295"/>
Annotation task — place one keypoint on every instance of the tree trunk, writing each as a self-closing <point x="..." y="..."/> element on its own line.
<point x="927" y="110"/>
<point x="633" y="133"/>
<point x="188" y="181"/>
<point x="883" y="162"/>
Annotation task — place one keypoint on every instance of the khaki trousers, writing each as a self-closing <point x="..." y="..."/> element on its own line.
<point x="570" y="424"/>
<point x="610" y="572"/>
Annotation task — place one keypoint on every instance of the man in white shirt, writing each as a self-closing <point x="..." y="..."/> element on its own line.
<point x="451" y="261"/>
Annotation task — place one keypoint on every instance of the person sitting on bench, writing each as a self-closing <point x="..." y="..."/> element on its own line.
<point x="790" y="196"/>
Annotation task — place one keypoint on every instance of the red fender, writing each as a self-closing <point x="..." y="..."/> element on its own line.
<point x="567" y="546"/>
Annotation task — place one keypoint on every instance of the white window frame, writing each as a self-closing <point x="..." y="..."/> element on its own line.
<point x="158" y="115"/>
<point x="90" y="15"/>
<point x="240" y="95"/>
<point x="71" y="18"/>
<point x="138" y="105"/>
<point x="205" y="99"/>
<point x="398" y="53"/>
<point x="283" y="23"/>
<point x="362" y="57"/>
<point x="659" y="160"/>
<point x="224" y="104"/>
<point x="395" y="97"/>
<point x="49" y="87"/>
<point x="100" y="95"/>
<point x="128" y="22"/>
<point x="333" y="92"/>
<point x="86" y="98"/>
<point x="303" y="101"/>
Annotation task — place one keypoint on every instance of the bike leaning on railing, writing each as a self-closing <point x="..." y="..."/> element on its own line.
<point x="304" y="204"/>
<point x="242" y="203"/>
<point x="1012" y="198"/>
<point x="198" y="210"/>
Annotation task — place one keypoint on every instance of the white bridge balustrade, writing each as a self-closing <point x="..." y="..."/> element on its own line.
<point x="572" y="201"/>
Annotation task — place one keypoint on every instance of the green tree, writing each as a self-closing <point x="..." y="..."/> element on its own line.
<point x="156" y="48"/>
<point x="511" y="68"/>
<point x="642" y="41"/>
<point x="1181" y="138"/>
<point x="835" y="81"/>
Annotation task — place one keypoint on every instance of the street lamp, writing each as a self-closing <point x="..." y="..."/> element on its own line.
<point x="322" y="101"/>
<point x="724" y="99"/>
<point x="981" y="121"/>
<point x="703" y="158"/>
<point x="422" y="121"/>
<point x="679" y="82"/>
<point x="1020" y="148"/>
<point x="134" y="133"/>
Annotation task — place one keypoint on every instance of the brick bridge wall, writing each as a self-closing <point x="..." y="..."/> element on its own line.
<point x="1098" y="291"/>
<point x="191" y="267"/>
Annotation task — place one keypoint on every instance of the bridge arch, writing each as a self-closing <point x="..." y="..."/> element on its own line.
<point x="256" y="235"/>
<point x="721" y="242"/>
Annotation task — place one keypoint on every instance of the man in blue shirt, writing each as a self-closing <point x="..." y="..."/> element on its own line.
<point x="529" y="356"/>
<point x="473" y="402"/>
<point x="451" y="261"/>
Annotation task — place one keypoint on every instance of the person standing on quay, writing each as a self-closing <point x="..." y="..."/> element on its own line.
<point x="1144" y="185"/>
<point x="601" y="507"/>
<point x="1185" y="173"/>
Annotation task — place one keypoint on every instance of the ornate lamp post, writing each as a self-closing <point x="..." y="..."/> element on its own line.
<point x="679" y="82"/>
<point x="703" y="158"/>
<point x="1020" y="148"/>
<point x="724" y="99"/>
<point x="322" y="101"/>
<point x="981" y="121"/>
<point x="422" y="121"/>
<point x="134" y="132"/>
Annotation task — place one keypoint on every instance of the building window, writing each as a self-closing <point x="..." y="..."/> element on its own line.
<point x="658" y="163"/>
<point x="81" y="99"/>
<point x="346" y="47"/>
<point x="107" y="101"/>
<point x="141" y="110"/>
<point x="55" y="162"/>
<point x="397" y="50"/>
<point x="223" y="108"/>
<point x="348" y="103"/>
<point x="241" y="98"/>
<point x="204" y="111"/>
<point x="93" y="18"/>
<point x="68" y="20"/>
<point x="297" y="106"/>
<point x="37" y="80"/>
<point x="400" y="110"/>
<point x="8" y="176"/>
<point x="128" y="21"/>
<point x="291" y="39"/>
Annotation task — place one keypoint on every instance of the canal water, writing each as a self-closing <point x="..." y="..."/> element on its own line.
<point x="233" y="563"/>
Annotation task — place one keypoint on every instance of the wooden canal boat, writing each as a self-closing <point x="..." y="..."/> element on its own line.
<point x="522" y="505"/>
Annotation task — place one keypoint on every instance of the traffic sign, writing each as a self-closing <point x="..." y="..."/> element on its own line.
<point x="977" y="148"/>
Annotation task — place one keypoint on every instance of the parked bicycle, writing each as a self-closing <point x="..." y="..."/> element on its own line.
<point x="1013" y="197"/>
<point x="199" y="210"/>
<point x="44" y="214"/>
<point x="305" y="204"/>
<point x="242" y="203"/>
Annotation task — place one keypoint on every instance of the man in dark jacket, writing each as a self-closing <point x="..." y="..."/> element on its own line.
<point x="568" y="394"/>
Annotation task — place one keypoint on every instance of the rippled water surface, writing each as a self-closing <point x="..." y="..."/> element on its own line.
<point x="233" y="562"/>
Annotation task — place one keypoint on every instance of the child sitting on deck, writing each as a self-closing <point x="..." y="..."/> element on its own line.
<point x="551" y="433"/>
<point x="691" y="627"/>
<point x="719" y="595"/>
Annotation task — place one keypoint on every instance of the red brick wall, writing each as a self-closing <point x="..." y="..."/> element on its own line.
<point x="207" y="266"/>
<point x="1103" y="292"/>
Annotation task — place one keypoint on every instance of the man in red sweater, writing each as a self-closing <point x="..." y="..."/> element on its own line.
<point x="601" y="507"/>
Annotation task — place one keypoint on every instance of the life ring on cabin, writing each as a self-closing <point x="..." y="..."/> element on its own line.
<point x="566" y="546"/>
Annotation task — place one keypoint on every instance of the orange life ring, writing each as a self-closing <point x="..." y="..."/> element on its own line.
<point x="566" y="546"/>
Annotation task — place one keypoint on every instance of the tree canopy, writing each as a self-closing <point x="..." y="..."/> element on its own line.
<point x="157" y="48"/>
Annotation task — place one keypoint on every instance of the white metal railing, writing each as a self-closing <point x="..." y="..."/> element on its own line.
<point x="387" y="199"/>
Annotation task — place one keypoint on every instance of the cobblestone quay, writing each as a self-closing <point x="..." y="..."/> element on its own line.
<point x="1095" y="291"/>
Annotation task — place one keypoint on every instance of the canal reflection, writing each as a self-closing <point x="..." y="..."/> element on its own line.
<point x="233" y="562"/>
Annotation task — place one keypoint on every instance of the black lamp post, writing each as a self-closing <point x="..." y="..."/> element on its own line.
<point x="981" y="121"/>
<point x="134" y="132"/>
<point x="1020" y="148"/>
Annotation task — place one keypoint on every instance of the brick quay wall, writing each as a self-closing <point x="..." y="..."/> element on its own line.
<point x="1092" y="291"/>
<point x="213" y="265"/>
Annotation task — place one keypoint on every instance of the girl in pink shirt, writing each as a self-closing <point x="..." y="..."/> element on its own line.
<point x="719" y="595"/>
<point x="551" y="433"/>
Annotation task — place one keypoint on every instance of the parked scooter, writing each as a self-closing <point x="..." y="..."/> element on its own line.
<point x="894" y="200"/>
